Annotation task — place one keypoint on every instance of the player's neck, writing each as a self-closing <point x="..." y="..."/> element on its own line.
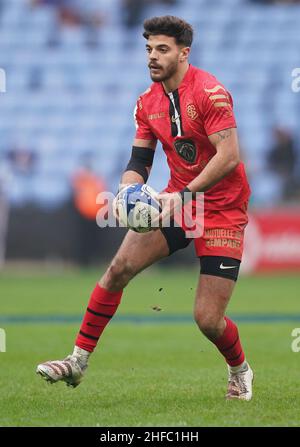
<point x="173" y="83"/>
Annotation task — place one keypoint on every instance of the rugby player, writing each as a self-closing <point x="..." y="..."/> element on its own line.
<point x="191" y="113"/>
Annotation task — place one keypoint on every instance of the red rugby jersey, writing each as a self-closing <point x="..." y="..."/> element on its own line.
<point x="182" y="121"/>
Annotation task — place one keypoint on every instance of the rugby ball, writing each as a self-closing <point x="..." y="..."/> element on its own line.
<point x="137" y="207"/>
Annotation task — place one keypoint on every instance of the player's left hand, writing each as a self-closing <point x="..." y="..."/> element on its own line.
<point x="170" y="203"/>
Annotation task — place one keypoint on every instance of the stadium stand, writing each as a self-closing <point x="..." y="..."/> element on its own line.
<point x="65" y="97"/>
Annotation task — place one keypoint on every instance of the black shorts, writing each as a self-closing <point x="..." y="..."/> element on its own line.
<point x="222" y="266"/>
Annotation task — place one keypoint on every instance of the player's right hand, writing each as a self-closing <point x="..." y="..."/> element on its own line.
<point x="116" y="203"/>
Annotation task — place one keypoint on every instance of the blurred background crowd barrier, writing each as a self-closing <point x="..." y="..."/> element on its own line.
<point x="74" y="69"/>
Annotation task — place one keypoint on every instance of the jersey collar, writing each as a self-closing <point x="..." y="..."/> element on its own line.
<point x="185" y="81"/>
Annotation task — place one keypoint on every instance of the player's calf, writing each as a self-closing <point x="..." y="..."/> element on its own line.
<point x="118" y="275"/>
<point x="211" y="326"/>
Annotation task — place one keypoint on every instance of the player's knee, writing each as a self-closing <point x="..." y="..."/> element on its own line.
<point x="210" y="325"/>
<point x="118" y="274"/>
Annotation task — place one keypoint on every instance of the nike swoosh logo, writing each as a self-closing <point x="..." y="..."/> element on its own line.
<point x="175" y="118"/>
<point x="223" y="267"/>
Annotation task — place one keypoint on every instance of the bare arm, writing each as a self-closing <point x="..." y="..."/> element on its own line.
<point x="222" y="163"/>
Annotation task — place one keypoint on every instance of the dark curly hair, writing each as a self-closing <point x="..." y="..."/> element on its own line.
<point x="169" y="26"/>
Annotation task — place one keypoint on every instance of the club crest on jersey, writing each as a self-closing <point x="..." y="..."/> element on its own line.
<point x="191" y="111"/>
<point x="186" y="149"/>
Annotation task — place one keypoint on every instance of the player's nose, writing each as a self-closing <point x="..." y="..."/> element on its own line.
<point x="153" y="55"/>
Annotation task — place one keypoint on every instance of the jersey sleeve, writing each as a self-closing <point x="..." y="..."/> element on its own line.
<point x="216" y="106"/>
<point x="143" y="130"/>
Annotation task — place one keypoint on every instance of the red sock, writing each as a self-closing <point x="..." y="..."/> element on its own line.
<point x="229" y="344"/>
<point x="101" y="308"/>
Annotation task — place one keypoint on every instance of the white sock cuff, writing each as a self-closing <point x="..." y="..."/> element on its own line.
<point x="239" y="368"/>
<point x="79" y="352"/>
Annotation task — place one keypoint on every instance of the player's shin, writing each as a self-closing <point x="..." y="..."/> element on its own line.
<point x="101" y="308"/>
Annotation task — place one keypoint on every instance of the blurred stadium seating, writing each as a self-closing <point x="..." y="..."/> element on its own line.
<point x="65" y="97"/>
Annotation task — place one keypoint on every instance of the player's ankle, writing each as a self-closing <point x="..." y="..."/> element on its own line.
<point x="239" y="368"/>
<point x="81" y="355"/>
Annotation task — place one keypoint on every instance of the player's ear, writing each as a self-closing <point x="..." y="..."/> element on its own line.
<point x="184" y="54"/>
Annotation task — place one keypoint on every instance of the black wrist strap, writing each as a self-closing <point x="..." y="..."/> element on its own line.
<point x="191" y="195"/>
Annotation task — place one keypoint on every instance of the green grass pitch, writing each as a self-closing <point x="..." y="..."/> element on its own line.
<point x="154" y="372"/>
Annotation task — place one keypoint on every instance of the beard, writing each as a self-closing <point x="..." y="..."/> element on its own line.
<point x="164" y="73"/>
